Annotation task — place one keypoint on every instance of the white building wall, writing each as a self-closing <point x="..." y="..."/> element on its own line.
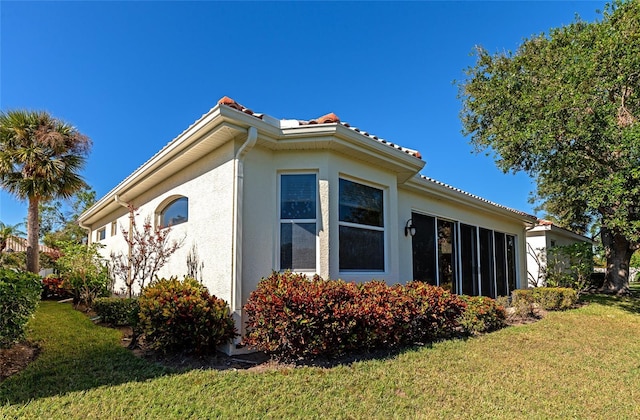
<point x="207" y="184"/>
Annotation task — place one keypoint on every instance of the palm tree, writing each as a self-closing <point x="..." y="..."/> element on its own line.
<point x="40" y="157"/>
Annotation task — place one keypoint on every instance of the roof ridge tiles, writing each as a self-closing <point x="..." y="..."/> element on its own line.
<point x="477" y="197"/>
<point x="329" y="118"/>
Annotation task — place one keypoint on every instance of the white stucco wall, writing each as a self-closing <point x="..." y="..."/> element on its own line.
<point x="539" y="240"/>
<point x="206" y="183"/>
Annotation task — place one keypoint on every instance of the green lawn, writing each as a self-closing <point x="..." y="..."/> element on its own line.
<point x="583" y="363"/>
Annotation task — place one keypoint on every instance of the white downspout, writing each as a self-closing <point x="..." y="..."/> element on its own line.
<point x="236" y="247"/>
<point x="125" y="204"/>
<point x="88" y="229"/>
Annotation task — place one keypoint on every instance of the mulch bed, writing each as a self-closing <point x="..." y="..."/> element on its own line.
<point x="16" y="358"/>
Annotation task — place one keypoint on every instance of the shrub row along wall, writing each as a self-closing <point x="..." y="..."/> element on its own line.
<point x="19" y="297"/>
<point x="292" y="316"/>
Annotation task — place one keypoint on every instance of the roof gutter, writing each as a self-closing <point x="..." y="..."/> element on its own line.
<point x="236" y="250"/>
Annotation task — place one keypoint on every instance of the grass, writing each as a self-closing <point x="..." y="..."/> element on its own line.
<point x="583" y="363"/>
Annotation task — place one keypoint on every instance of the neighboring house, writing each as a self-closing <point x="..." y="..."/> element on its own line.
<point x="256" y="194"/>
<point x="17" y="244"/>
<point x="542" y="237"/>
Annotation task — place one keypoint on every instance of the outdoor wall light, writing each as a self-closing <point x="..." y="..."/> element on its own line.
<point x="409" y="229"/>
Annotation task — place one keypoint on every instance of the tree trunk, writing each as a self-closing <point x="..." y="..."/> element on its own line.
<point x="618" y="251"/>
<point x="33" y="228"/>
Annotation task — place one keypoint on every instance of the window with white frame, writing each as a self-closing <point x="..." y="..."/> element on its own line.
<point x="298" y="221"/>
<point x="361" y="227"/>
<point x="101" y="234"/>
<point x="114" y="228"/>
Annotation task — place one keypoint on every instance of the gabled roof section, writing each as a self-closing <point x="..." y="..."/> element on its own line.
<point x="547" y="225"/>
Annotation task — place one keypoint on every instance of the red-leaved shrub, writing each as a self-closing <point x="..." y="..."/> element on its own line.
<point x="293" y="316"/>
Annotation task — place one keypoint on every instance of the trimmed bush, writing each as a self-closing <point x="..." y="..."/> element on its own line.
<point x="436" y="313"/>
<point x="549" y="298"/>
<point x="555" y="298"/>
<point x="482" y="315"/>
<point x="176" y="315"/>
<point x="117" y="311"/>
<point x="19" y="297"/>
<point x="289" y="314"/>
<point x="293" y="316"/>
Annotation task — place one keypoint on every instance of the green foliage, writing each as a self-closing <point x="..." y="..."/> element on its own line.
<point x="565" y="108"/>
<point x="19" y="297"/>
<point x="84" y="274"/>
<point x="523" y="304"/>
<point x="555" y="298"/>
<point x="40" y="160"/>
<point x="117" y="311"/>
<point x="549" y="298"/>
<point x="177" y="315"/>
<point x="293" y="316"/>
<point x="569" y="266"/>
<point x="58" y="219"/>
<point x="482" y="315"/>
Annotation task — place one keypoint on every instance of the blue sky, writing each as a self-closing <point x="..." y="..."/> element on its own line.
<point x="133" y="75"/>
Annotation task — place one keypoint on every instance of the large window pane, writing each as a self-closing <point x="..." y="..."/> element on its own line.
<point x="447" y="255"/>
<point x="298" y="196"/>
<point x="511" y="262"/>
<point x="424" y="249"/>
<point x="469" y="259"/>
<point x="501" y="265"/>
<point x="298" y="246"/>
<point x="360" y="204"/>
<point x="361" y="249"/>
<point x="486" y="263"/>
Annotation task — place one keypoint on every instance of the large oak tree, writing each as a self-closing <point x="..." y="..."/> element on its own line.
<point x="40" y="160"/>
<point x="565" y="109"/>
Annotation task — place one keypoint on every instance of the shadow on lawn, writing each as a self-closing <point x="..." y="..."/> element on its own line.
<point x="103" y="365"/>
<point x="627" y="303"/>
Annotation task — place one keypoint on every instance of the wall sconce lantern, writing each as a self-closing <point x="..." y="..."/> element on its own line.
<point x="409" y="229"/>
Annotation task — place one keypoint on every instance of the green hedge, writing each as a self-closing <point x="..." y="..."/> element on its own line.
<point x="549" y="298"/>
<point x="117" y="311"/>
<point x="19" y="297"/>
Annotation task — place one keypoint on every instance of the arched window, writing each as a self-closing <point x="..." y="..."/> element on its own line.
<point x="174" y="212"/>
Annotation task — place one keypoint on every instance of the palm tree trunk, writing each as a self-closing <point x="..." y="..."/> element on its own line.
<point x="33" y="229"/>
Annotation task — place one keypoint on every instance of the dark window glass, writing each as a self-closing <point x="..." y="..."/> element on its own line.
<point x="511" y="262"/>
<point x="447" y="255"/>
<point x="298" y="196"/>
<point x="302" y="256"/>
<point x="361" y="249"/>
<point x="424" y="248"/>
<point x="486" y="263"/>
<point x="175" y="212"/>
<point x="360" y="204"/>
<point x="501" y="265"/>
<point x="469" y="259"/>
<point x="298" y="239"/>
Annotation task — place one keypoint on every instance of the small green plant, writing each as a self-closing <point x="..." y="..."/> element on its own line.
<point x="523" y="304"/>
<point x="482" y="315"/>
<point x="19" y="297"/>
<point x="176" y="315"/>
<point x="84" y="274"/>
<point x="569" y="266"/>
<point x="555" y="298"/>
<point x="117" y="311"/>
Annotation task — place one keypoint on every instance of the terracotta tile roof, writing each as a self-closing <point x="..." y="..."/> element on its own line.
<point x="330" y="118"/>
<point x="477" y="197"/>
